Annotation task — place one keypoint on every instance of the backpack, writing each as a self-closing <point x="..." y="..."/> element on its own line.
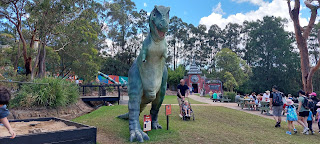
<point x="308" y="103"/>
<point x="277" y="99"/>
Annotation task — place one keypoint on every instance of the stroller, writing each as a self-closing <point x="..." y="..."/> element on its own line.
<point x="184" y="112"/>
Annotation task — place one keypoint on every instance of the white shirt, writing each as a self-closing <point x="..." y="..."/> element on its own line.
<point x="265" y="97"/>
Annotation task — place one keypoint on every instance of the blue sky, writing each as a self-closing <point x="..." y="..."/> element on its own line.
<point x="221" y="12"/>
<point x="191" y="11"/>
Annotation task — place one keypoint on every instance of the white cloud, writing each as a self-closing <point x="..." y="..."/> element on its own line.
<point x="145" y="4"/>
<point x="255" y="2"/>
<point x="218" y="9"/>
<point x="278" y="8"/>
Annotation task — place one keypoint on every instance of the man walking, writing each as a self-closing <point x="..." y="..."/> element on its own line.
<point x="276" y="104"/>
<point x="303" y="112"/>
<point x="183" y="91"/>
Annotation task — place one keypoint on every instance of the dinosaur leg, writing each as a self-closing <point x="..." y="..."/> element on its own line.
<point x="135" y="94"/>
<point x="156" y="104"/>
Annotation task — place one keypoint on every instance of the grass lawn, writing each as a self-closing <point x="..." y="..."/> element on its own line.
<point x="212" y="125"/>
<point x="207" y="95"/>
<point x="172" y="99"/>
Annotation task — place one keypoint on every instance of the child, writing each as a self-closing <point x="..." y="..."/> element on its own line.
<point x="291" y="116"/>
<point x="186" y="108"/>
<point x="318" y="115"/>
<point x="4" y="100"/>
<point x="310" y="121"/>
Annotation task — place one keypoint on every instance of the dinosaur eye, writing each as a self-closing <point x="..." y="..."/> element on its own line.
<point x="154" y="14"/>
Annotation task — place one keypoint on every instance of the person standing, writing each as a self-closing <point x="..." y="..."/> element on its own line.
<point x="310" y="120"/>
<point x="276" y="104"/>
<point x="266" y="96"/>
<point x="302" y="112"/>
<point x="315" y="100"/>
<point x="291" y="116"/>
<point x="183" y="92"/>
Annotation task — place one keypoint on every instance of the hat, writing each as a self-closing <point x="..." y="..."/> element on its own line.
<point x="289" y="102"/>
<point x="313" y="94"/>
<point x="318" y="104"/>
<point x="267" y="91"/>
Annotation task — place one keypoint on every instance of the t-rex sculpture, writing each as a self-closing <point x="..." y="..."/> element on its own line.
<point x="148" y="75"/>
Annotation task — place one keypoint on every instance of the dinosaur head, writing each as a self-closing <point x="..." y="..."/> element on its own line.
<point x="159" y="22"/>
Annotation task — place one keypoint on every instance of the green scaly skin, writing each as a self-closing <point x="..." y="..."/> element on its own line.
<point x="148" y="75"/>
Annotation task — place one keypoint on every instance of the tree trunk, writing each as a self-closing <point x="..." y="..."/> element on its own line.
<point x="36" y="63"/>
<point x="17" y="57"/>
<point x="42" y="64"/>
<point x="174" y="56"/>
<point x="24" y="50"/>
<point x="302" y="35"/>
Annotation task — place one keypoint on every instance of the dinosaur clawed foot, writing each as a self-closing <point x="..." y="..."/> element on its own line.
<point x="156" y="125"/>
<point x="138" y="135"/>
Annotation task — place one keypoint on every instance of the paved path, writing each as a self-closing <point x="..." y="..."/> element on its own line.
<point x="236" y="107"/>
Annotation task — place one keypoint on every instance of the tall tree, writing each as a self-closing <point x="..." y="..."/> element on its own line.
<point x="302" y="35"/>
<point x="228" y="61"/>
<point x="215" y="37"/>
<point x="120" y="18"/>
<point x="177" y="34"/>
<point x="14" y="11"/>
<point x="271" y="55"/>
<point x="232" y="39"/>
<point x="49" y="16"/>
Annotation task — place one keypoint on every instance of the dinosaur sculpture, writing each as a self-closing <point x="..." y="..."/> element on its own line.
<point x="148" y="75"/>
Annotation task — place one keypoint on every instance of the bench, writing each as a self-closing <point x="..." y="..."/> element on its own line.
<point x="225" y="99"/>
<point x="264" y="107"/>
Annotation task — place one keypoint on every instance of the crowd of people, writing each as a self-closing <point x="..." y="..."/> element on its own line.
<point x="305" y="109"/>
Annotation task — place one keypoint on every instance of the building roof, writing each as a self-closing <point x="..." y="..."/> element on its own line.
<point x="212" y="81"/>
<point x="194" y="69"/>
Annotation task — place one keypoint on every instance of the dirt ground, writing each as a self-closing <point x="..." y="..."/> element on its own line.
<point x="68" y="112"/>
<point x="22" y="128"/>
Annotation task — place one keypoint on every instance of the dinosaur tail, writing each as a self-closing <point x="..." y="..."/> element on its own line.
<point x="124" y="116"/>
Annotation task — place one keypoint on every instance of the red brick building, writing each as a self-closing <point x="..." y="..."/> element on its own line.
<point x="195" y="80"/>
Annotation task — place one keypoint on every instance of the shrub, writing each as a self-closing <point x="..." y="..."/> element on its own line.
<point x="57" y="93"/>
<point x="230" y="95"/>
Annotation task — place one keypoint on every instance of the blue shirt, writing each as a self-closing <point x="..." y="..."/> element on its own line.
<point x="310" y="116"/>
<point x="4" y="112"/>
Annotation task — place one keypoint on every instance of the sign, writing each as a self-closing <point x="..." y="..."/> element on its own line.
<point x="147" y="123"/>
<point x="168" y="109"/>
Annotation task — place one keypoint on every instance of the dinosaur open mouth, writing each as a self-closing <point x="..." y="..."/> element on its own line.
<point x="160" y="33"/>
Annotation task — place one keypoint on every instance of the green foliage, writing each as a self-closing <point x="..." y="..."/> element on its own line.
<point x="88" y="67"/>
<point x="52" y="60"/>
<point x="174" y="76"/>
<point x="112" y="66"/>
<point x="230" y="83"/>
<point x="230" y="95"/>
<point x="270" y="53"/>
<point x="58" y="93"/>
<point x="238" y="70"/>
